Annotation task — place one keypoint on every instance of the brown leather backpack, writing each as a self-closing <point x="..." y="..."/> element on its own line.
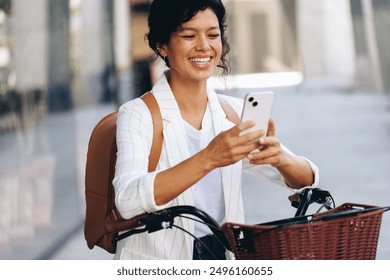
<point x="103" y="221"/>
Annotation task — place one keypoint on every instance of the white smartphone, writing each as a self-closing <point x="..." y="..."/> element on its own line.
<point x="257" y="108"/>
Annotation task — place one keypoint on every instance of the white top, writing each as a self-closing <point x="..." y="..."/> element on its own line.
<point x="208" y="192"/>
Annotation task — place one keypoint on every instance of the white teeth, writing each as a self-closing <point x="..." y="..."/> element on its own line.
<point x="201" y="60"/>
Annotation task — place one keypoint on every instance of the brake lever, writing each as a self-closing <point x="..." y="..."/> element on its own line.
<point x="309" y="196"/>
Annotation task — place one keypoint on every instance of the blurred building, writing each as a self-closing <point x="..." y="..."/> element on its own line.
<point x="340" y="43"/>
<point x="63" y="60"/>
<point x="72" y="53"/>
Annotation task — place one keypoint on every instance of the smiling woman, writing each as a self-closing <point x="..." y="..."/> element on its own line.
<point x="204" y="153"/>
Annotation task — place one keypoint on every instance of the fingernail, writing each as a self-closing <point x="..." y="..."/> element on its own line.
<point x="261" y="140"/>
<point x="250" y="156"/>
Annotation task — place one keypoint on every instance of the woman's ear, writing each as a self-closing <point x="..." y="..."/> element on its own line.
<point x="161" y="50"/>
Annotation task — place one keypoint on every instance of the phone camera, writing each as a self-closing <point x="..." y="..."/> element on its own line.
<point x="251" y="99"/>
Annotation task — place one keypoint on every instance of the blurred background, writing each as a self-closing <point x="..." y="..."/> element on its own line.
<point x="65" y="64"/>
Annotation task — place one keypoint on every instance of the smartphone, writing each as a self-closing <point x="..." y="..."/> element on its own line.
<point x="257" y="108"/>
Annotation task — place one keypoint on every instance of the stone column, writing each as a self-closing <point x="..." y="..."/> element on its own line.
<point x="59" y="80"/>
<point x="325" y="37"/>
<point x="122" y="36"/>
<point x="92" y="55"/>
<point x="29" y="22"/>
<point x="123" y="50"/>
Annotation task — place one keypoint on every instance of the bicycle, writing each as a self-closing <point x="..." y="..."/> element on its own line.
<point x="349" y="231"/>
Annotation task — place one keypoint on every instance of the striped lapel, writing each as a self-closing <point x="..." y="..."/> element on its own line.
<point x="231" y="175"/>
<point x="176" y="151"/>
<point x="173" y="130"/>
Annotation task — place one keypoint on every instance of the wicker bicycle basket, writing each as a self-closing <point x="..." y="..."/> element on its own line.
<point x="325" y="236"/>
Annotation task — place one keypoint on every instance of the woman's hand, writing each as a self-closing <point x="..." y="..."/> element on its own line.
<point x="228" y="147"/>
<point x="271" y="151"/>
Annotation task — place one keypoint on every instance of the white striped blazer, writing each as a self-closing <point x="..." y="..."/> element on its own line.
<point x="134" y="185"/>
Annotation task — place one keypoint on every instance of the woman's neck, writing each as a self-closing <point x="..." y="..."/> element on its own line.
<point x="191" y="98"/>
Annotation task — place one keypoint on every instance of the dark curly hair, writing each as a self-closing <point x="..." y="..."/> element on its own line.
<point x="165" y="16"/>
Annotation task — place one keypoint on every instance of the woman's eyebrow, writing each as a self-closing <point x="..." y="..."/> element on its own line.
<point x="183" y="28"/>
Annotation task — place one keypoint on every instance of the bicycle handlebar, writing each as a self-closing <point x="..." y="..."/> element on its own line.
<point x="164" y="219"/>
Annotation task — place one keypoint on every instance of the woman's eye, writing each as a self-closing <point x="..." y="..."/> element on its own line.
<point x="188" y="36"/>
<point x="214" y="35"/>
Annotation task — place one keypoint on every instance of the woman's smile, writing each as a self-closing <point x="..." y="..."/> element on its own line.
<point x="201" y="61"/>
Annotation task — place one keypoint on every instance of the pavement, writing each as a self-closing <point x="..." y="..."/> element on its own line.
<point x="345" y="132"/>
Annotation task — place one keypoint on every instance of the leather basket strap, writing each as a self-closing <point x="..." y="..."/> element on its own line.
<point x="154" y="109"/>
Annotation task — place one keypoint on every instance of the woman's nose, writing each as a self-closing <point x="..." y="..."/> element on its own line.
<point x="203" y="43"/>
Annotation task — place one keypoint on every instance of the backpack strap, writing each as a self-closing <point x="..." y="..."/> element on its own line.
<point x="157" y="143"/>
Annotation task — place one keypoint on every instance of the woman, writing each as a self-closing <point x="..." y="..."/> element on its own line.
<point x="203" y="154"/>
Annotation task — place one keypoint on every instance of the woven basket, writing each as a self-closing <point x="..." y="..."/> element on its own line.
<point x="347" y="237"/>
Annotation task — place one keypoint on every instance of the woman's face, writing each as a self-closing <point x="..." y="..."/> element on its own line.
<point x="195" y="48"/>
